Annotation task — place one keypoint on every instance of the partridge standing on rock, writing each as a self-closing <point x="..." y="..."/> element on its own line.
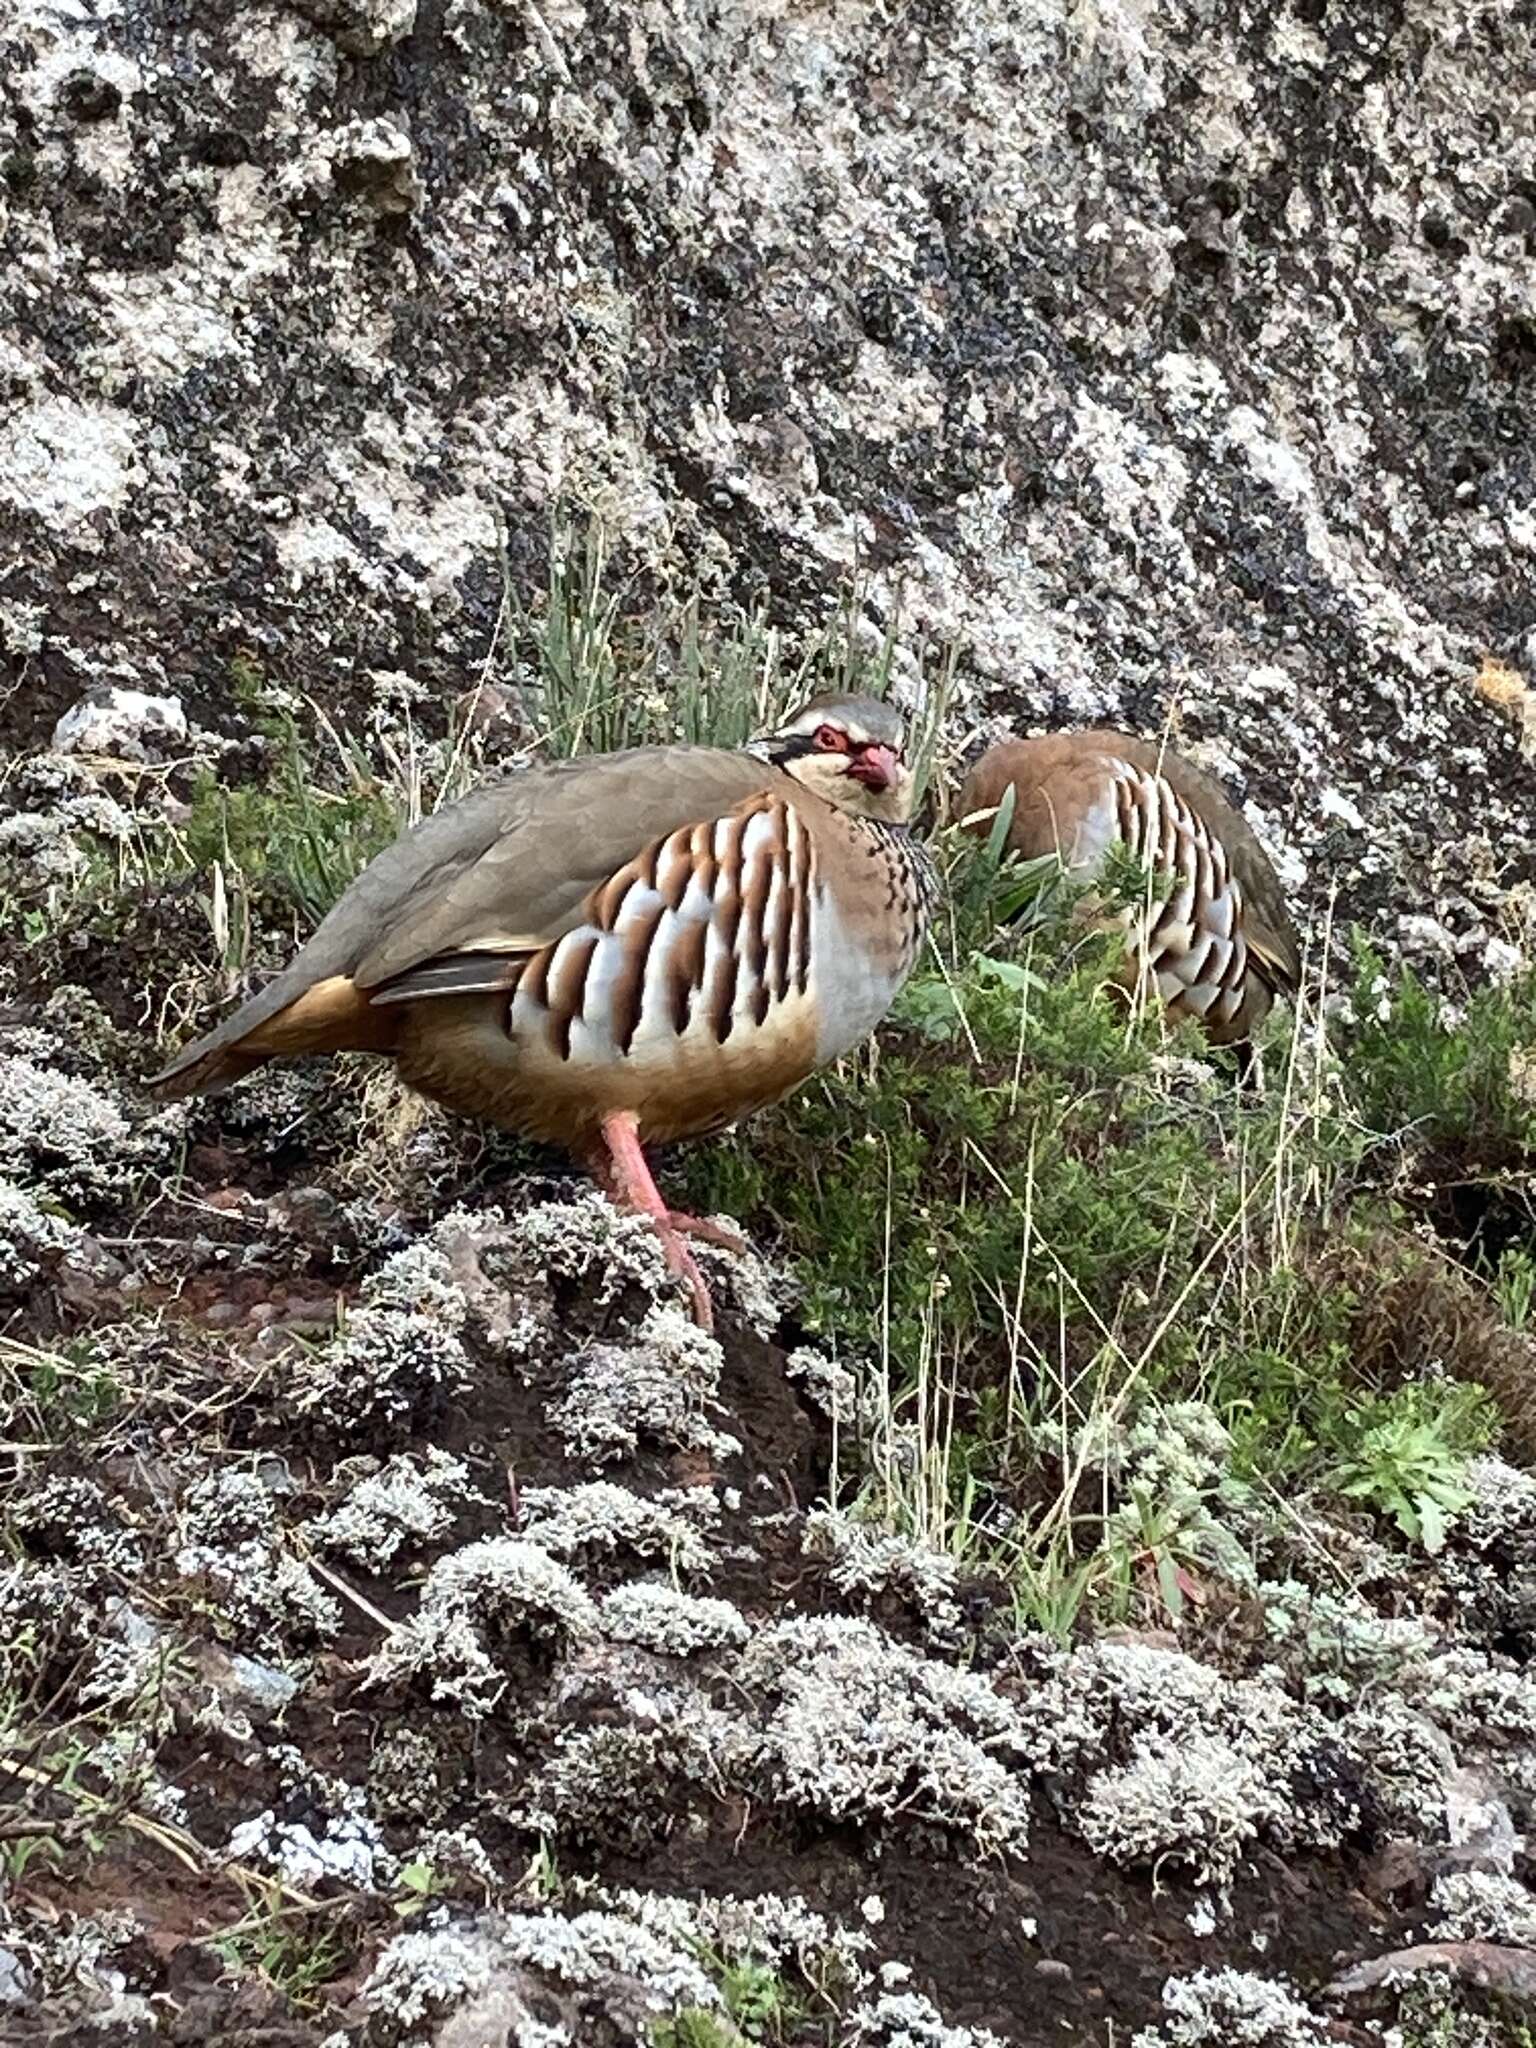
<point x="1213" y="933"/>
<point x="622" y="949"/>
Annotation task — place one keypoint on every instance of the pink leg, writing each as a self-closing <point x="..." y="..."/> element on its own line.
<point x="620" y="1168"/>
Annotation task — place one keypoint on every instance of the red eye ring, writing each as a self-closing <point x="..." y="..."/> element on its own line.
<point x="831" y="739"/>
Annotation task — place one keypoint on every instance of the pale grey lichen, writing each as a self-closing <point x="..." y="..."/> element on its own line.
<point x="832" y="1387"/>
<point x="760" y="1292"/>
<point x="850" y="1724"/>
<point x="1475" y="1905"/>
<point x="618" y="1786"/>
<point x="77" y="1519"/>
<point x="61" y="1135"/>
<point x="505" y="1293"/>
<point x="236" y="1551"/>
<point x="589" y="1238"/>
<point x="473" y="1598"/>
<point x="67" y="1952"/>
<point x="677" y="1624"/>
<point x="1489" y="1565"/>
<point x="410" y="1500"/>
<point x="426" y="1972"/>
<point x="349" y="1849"/>
<point x="1184" y="1762"/>
<point x="656" y="1389"/>
<point x="1403" y="1757"/>
<point x="46" y="1609"/>
<point x="599" y="1518"/>
<point x="1193" y="1799"/>
<point x="905" y="2019"/>
<point x="1485" y="1705"/>
<point x="45" y="846"/>
<point x="1336" y="1643"/>
<point x="1122" y="1689"/>
<point x="122" y="1763"/>
<point x="767" y="1927"/>
<point x="31" y="1237"/>
<point x="457" y="1853"/>
<point x="400" y="1352"/>
<point x="583" y="1949"/>
<point x="867" y="1561"/>
<point x="406" y="1776"/>
<point x="1232" y="2009"/>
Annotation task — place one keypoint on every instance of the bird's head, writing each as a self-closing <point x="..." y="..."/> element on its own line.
<point x="848" y="750"/>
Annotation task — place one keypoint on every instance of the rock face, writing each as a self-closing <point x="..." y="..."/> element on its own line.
<point x="1172" y="363"/>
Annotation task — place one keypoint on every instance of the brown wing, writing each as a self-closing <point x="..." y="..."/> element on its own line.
<point x="1054" y="781"/>
<point x="501" y="872"/>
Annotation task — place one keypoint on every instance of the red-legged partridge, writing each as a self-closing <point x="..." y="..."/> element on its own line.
<point x="619" y="950"/>
<point x="1213" y="934"/>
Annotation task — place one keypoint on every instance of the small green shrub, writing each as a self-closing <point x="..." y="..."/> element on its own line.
<point x="694" y="2027"/>
<point x="1440" y="1081"/>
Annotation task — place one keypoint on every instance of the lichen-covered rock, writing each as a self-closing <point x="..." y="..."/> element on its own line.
<point x="127" y="724"/>
<point x="1094" y="340"/>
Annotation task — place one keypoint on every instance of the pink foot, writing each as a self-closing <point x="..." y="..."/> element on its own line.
<point x="707" y="1232"/>
<point x="626" y="1179"/>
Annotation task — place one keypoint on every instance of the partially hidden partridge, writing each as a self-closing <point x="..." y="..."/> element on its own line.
<point x="1212" y="935"/>
<point x="619" y="950"/>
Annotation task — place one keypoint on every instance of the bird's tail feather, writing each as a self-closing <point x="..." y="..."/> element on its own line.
<point x="327" y="1016"/>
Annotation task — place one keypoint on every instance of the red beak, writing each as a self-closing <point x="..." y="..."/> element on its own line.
<point x="874" y="766"/>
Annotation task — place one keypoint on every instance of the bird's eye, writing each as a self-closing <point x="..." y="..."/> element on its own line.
<point x="831" y="739"/>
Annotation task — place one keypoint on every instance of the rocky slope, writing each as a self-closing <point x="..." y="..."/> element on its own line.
<point x="430" y="1631"/>
<point x="418" y="1632"/>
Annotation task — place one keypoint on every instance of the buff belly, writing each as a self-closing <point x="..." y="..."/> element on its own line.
<point x="462" y="1054"/>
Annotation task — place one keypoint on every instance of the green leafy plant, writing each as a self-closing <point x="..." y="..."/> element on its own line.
<point x="760" y="1999"/>
<point x="1514" y="1288"/>
<point x="1407" y="1456"/>
<point x="695" y="2027"/>
<point x="419" y="1885"/>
